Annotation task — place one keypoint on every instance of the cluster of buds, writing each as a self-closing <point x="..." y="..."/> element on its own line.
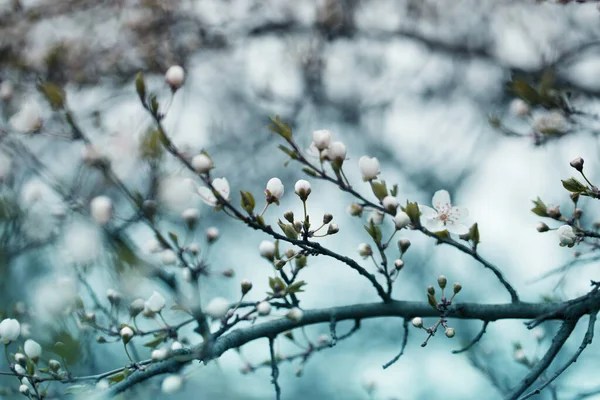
<point x="442" y="307"/>
<point x="334" y="152"/>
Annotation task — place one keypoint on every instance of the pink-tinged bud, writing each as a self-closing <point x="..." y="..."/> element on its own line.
<point x="450" y="332"/>
<point x="577" y="164"/>
<point x="175" y="76"/>
<point x="398" y="264"/>
<point x="542" y="227"/>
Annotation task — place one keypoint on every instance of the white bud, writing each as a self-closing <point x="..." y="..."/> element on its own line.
<point x="417" y="322"/>
<point x="175" y="76"/>
<point x="390" y="203"/>
<point x="176" y="346"/>
<point x="21" y="359"/>
<point x="159" y="354"/>
<point x="369" y="168"/>
<point x="337" y="152"/>
<point x="364" y="249"/>
<point x="168" y="257"/>
<point x="24" y="389"/>
<point x="355" y="209"/>
<point x="20" y="370"/>
<point x="212" y="234"/>
<point x="333" y="229"/>
<point x="401" y="220"/>
<point x="190" y="215"/>
<point x="519" y="108"/>
<point x="136" y="307"/>
<point x="101" y="208"/>
<point x="302" y="189"/>
<point x="187" y="275"/>
<point x="376" y="217"/>
<point x="321" y="139"/>
<point x="202" y="163"/>
<point x="32" y="349"/>
<point x="126" y="334"/>
<point x="267" y="249"/>
<point x="549" y="122"/>
<point x="274" y="190"/>
<point x="398" y="264"/>
<point x="566" y="236"/>
<point x="295" y="314"/>
<point x="450" y="332"/>
<point x="263" y="308"/>
<point x="323" y="339"/>
<point x="113" y="296"/>
<point x="217" y="308"/>
<point x="54" y="365"/>
<point x="9" y="330"/>
<point x="172" y="384"/>
<point x="193" y="248"/>
<point x="156" y="302"/>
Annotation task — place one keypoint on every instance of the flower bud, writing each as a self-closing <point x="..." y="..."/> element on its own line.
<point x="175" y="76"/>
<point x="274" y="190"/>
<point x="101" y="208"/>
<point x="193" y="248"/>
<point x="126" y="334"/>
<point x="321" y="139"/>
<point x="289" y="253"/>
<point x="578" y="212"/>
<point x="333" y="229"/>
<point x="263" y="308"/>
<point x="33" y="350"/>
<point x="542" y="227"/>
<point x="278" y="264"/>
<point x="212" y="234"/>
<point x="54" y="365"/>
<point x="187" y="274"/>
<point x="369" y="168"/>
<point x="450" y="332"/>
<point x="337" y="153"/>
<point x="431" y="290"/>
<point x="155" y="303"/>
<point x="577" y="164"/>
<point x="553" y="212"/>
<point x="172" y="384"/>
<point x="295" y="314"/>
<point x="149" y="207"/>
<point x="323" y="340"/>
<point x="176" y="346"/>
<point x="113" y="297"/>
<point x="417" y="322"/>
<point x="364" y="249"/>
<point x="190" y="216"/>
<point x="457" y="287"/>
<point x="24" y="389"/>
<point x="390" y="203"/>
<point x="298" y="226"/>
<point x="442" y="281"/>
<point x="403" y="245"/>
<point x="246" y="286"/>
<point x="136" y="307"/>
<point x="566" y="235"/>
<point x="168" y="257"/>
<point x="401" y="220"/>
<point x="228" y="273"/>
<point x="302" y="189"/>
<point x="21" y="359"/>
<point x="20" y="370"/>
<point x="519" y="355"/>
<point x="101" y="339"/>
<point x="355" y="209"/>
<point x="159" y="354"/>
<point x="327" y="218"/>
<point x="289" y="216"/>
<point x="217" y="308"/>
<point x="202" y="163"/>
<point x="375" y="217"/>
<point x="398" y="264"/>
<point x="267" y="249"/>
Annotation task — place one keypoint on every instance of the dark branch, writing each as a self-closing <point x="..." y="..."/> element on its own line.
<point x="404" y="342"/>
<point x="274" y="368"/>
<point x="475" y="339"/>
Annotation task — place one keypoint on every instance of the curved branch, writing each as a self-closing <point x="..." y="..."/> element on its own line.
<point x="475" y="339"/>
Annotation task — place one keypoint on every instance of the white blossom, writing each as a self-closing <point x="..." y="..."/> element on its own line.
<point x="364" y="249"/>
<point x="159" y="354"/>
<point x="212" y="234"/>
<point x="302" y="189"/>
<point x="369" y="168"/>
<point x="20" y="370"/>
<point x="24" y="389"/>
<point x="321" y="139"/>
<point x="274" y="190"/>
<point x="190" y="215"/>
<point x="156" y="302"/>
<point x="126" y="333"/>
<point x="337" y="152"/>
<point x="519" y="108"/>
<point x="267" y="249"/>
<point x="221" y="186"/>
<point x="168" y="257"/>
<point x="295" y="314"/>
<point x="101" y="208"/>
<point x="263" y="308"/>
<point x="202" y="163"/>
<point x="175" y="76"/>
<point x="390" y="203"/>
<point x="450" y="332"/>
<point x="443" y="216"/>
<point x="417" y="322"/>
<point x="28" y="119"/>
<point x="566" y="236"/>
<point x="401" y="220"/>
<point x="549" y="122"/>
<point x="217" y="308"/>
<point x="176" y="345"/>
<point x="32" y="349"/>
<point x="10" y="329"/>
<point x="172" y="384"/>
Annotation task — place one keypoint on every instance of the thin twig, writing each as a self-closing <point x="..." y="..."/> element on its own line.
<point x="404" y="342"/>
<point x="274" y="368"/>
<point x="475" y="339"/>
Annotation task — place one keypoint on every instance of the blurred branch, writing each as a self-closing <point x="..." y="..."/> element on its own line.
<point x="475" y="339"/>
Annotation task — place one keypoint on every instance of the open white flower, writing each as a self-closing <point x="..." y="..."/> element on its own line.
<point x="443" y="216"/>
<point x="156" y="302"/>
<point x="321" y="139"/>
<point x="566" y="235"/>
<point x="274" y="190"/>
<point x="221" y="185"/>
<point x="369" y="168"/>
<point x="10" y="329"/>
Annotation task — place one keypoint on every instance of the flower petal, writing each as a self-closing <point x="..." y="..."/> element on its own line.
<point x="434" y="225"/>
<point x="441" y="199"/>
<point x="458" y="213"/>
<point x="457" y="228"/>
<point x="427" y="212"/>
<point x="221" y="185"/>
<point x="207" y="196"/>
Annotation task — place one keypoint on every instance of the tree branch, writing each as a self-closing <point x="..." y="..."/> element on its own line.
<point x="475" y="339"/>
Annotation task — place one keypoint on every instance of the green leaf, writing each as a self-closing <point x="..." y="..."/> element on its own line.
<point x="291" y="153"/>
<point x="296" y="287"/>
<point x="247" y="202"/>
<point x="156" y="341"/>
<point x="140" y="86"/>
<point x="281" y="128"/>
<point x="151" y="145"/>
<point x="474" y="234"/>
<point x="75" y="389"/>
<point x="309" y="171"/>
<point x="540" y="208"/>
<point x="288" y="230"/>
<point x="178" y="307"/>
<point x="54" y="94"/>
<point x="412" y="210"/>
<point x="374" y="231"/>
<point x="276" y="284"/>
<point x="525" y="91"/>
<point x="394" y="190"/>
<point x="573" y="185"/>
<point x="379" y="189"/>
<point x="116" y="378"/>
<point x="174" y="238"/>
<point x="153" y="104"/>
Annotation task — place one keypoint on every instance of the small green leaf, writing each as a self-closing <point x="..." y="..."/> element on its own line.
<point x="153" y="104"/>
<point x="296" y="287"/>
<point x="291" y="153"/>
<point x="474" y="234"/>
<point x="174" y="238"/>
<point x="379" y="189"/>
<point x="540" y="208"/>
<point x="247" y="202"/>
<point x="573" y="185"/>
<point x="276" y="284"/>
<point x="116" y="378"/>
<point x="412" y="209"/>
<point x="54" y="94"/>
<point x="394" y="190"/>
<point x="309" y="171"/>
<point x="281" y="128"/>
<point x="140" y="86"/>
<point x="288" y="230"/>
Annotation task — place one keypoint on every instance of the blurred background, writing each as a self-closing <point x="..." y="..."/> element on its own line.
<point x="427" y="87"/>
